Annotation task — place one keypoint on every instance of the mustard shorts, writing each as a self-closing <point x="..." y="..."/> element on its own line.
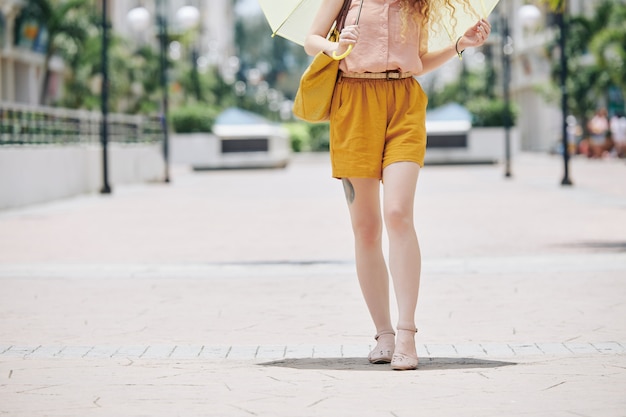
<point x="374" y="123"/>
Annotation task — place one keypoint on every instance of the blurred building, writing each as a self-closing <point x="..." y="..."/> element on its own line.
<point x="539" y="121"/>
<point x="22" y="56"/>
<point x="22" y="42"/>
<point x="22" y="53"/>
<point x="216" y="26"/>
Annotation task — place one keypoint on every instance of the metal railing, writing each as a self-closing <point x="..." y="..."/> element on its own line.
<point x="33" y="125"/>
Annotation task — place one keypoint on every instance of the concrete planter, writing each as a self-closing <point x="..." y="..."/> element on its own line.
<point x="245" y="146"/>
<point x="36" y="174"/>
<point x="482" y="145"/>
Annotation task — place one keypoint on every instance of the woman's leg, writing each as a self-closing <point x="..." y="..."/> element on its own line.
<point x="363" y="197"/>
<point x="400" y="180"/>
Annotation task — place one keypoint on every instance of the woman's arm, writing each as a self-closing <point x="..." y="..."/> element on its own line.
<point x="473" y="37"/>
<point x="316" y="41"/>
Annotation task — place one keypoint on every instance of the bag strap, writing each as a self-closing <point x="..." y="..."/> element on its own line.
<point x="343" y="14"/>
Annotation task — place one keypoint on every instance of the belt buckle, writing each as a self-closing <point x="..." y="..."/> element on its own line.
<point x="393" y="72"/>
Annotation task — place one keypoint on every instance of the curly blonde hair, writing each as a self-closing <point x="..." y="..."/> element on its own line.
<point x="430" y="12"/>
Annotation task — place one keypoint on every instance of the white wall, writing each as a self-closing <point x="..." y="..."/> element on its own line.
<point x="35" y="174"/>
<point x="203" y="150"/>
<point x="484" y="145"/>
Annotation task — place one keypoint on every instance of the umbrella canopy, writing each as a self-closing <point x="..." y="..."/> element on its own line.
<point x="292" y="19"/>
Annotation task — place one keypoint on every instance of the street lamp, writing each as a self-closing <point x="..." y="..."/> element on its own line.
<point x="139" y="20"/>
<point x="529" y="17"/>
<point x="104" y="102"/>
<point x="501" y="19"/>
<point x="562" y="37"/>
<point x="507" y="50"/>
<point x="188" y="17"/>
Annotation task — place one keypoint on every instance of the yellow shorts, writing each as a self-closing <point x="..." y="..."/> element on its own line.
<point x="374" y="123"/>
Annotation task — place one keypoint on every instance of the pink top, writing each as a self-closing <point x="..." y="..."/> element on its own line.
<point x="381" y="46"/>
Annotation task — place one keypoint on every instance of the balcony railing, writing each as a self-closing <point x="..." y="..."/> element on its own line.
<point x="30" y="125"/>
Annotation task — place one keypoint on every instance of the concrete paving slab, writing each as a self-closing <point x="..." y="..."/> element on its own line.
<point x="233" y="294"/>
<point x="314" y="387"/>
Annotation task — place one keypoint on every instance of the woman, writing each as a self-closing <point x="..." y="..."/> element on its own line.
<point x="378" y="134"/>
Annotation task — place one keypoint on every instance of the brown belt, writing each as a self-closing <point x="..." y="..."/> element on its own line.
<point x="387" y="75"/>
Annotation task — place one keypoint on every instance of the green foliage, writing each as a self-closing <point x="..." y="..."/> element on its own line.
<point x="595" y="58"/>
<point x="282" y="61"/>
<point x="193" y="118"/>
<point x="298" y="136"/>
<point x="68" y="25"/>
<point x="309" y="137"/>
<point x="555" y="5"/>
<point x="607" y="43"/>
<point x="319" y="134"/>
<point x="488" y="112"/>
<point x="474" y="90"/>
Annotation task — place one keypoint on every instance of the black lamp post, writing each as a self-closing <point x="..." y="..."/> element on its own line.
<point x="162" y="24"/>
<point x="139" y="19"/>
<point x="562" y="38"/>
<point x="104" y="128"/>
<point x="506" y="70"/>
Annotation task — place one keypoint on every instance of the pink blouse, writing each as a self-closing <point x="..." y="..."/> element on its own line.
<point x="381" y="45"/>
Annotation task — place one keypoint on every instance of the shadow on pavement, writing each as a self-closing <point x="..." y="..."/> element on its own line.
<point x="607" y="246"/>
<point x="361" y="364"/>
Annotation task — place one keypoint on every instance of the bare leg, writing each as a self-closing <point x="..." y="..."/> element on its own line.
<point x="400" y="180"/>
<point x="363" y="196"/>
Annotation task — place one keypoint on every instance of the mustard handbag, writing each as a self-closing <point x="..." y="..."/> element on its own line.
<point x="317" y="84"/>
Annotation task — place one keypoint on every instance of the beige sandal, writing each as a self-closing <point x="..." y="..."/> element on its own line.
<point x="402" y="362"/>
<point x="382" y="354"/>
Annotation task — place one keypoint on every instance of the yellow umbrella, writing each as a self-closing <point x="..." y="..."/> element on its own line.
<point x="292" y="19"/>
<point x="447" y="32"/>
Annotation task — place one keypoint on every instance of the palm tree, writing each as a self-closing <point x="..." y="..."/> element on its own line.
<point x="64" y="21"/>
<point x="607" y="44"/>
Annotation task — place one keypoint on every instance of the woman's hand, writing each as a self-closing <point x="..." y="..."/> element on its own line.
<point x="348" y="36"/>
<point x="476" y="35"/>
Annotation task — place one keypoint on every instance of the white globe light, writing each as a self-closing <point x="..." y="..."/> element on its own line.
<point x="188" y="16"/>
<point x="138" y="19"/>
<point x="529" y="16"/>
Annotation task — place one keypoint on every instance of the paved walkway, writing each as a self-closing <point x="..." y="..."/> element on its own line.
<point x="233" y="293"/>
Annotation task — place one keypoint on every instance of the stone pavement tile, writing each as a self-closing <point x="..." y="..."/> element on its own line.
<point x="470" y="350"/>
<point x="299" y="351"/>
<point x="166" y="310"/>
<point x="71" y="352"/>
<point x="356" y="351"/>
<point x="130" y="351"/>
<point x="421" y="350"/>
<point x="186" y="352"/>
<point x="312" y="387"/>
<point x="214" y="352"/>
<point x="101" y="351"/>
<point x="18" y="351"/>
<point x="47" y="352"/>
<point x="525" y="349"/>
<point x="610" y="347"/>
<point x="441" y="350"/>
<point x="271" y="352"/>
<point x="158" y="352"/>
<point x="327" y="351"/>
<point x="554" y="348"/>
<point x="497" y="349"/>
<point x="242" y="352"/>
<point x="581" y="348"/>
